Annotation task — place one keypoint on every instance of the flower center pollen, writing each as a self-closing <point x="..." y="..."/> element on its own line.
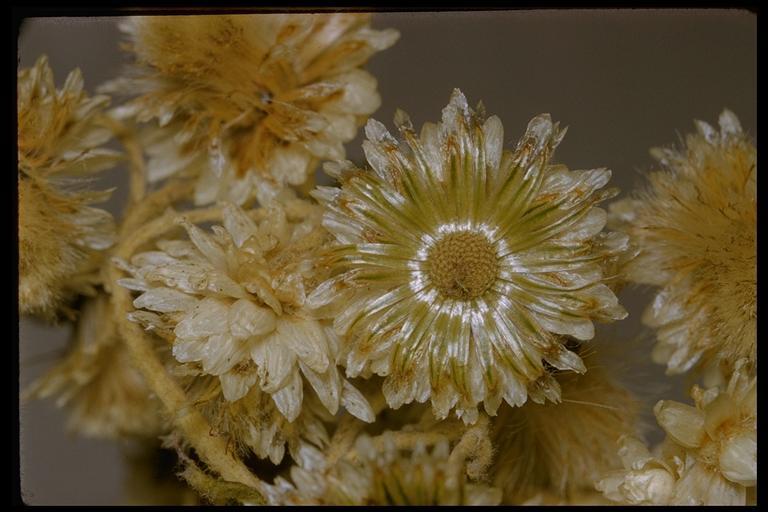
<point x="462" y="265"/>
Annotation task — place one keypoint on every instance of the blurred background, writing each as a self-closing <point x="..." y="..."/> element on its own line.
<point x="622" y="80"/>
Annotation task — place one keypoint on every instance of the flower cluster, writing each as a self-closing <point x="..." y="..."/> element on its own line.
<point x="708" y="458"/>
<point x="421" y="331"/>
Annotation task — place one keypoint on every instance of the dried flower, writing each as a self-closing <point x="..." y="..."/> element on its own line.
<point x="251" y="100"/>
<point x="708" y="458"/>
<point x="460" y="262"/>
<point x="557" y="451"/>
<point x="106" y="396"/>
<point x="695" y="225"/>
<point x="61" y="236"/>
<point x="382" y="476"/>
<point x="234" y="302"/>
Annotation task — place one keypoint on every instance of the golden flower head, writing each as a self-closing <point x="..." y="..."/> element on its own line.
<point x="695" y="225"/>
<point x="251" y="100"/>
<point x="232" y="304"/>
<point x="106" y="396"/>
<point x="708" y="458"/>
<point x="60" y="235"/>
<point x="381" y="474"/>
<point x="555" y="452"/>
<point x="459" y="263"/>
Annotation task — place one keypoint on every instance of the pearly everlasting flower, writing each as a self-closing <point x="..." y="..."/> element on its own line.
<point x="708" y="458"/>
<point x="61" y="236"/>
<point x="250" y="101"/>
<point x="232" y="304"/>
<point x="381" y="476"/>
<point x="695" y="225"/>
<point x="557" y="451"/>
<point x="97" y="382"/>
<point x="458" y="263"/>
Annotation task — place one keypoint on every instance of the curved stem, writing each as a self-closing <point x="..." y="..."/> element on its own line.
<point x="211" y="449"/>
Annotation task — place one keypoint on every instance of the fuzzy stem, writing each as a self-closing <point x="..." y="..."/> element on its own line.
<point x="190" y="422"/>
<point x="127" y="136"/>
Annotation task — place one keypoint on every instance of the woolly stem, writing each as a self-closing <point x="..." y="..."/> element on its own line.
<point x="127" y="137"/>
<point x="211" y="449"/>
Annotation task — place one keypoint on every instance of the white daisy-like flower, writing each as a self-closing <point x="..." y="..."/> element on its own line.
<point x="234" y="301"/>
<point x="458" y="263"/>
<point x="250" y="101"/>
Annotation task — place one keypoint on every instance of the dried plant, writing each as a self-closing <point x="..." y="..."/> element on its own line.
<point x="422" y="331"/>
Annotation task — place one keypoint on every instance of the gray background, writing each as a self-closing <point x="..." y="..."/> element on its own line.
<point x="622" y="80"/>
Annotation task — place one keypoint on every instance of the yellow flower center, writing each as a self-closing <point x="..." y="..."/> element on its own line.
<point x="462" y="265"/>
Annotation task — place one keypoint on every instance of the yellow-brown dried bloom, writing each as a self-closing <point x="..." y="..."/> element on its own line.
<point x="695" y="225"/>
<point x="459" y="263"/>
<point x="381" y="476"/>
<point x="708" y="458"/>
<point x="251" y="100"/>
<point x="106" y="396"/>
<point x="61" y="236"/>
<point x="557" y="451"/>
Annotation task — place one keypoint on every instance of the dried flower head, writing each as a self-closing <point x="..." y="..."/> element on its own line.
<point x="557" y="451"/>
<point x="708" y="458"/>
<point x="254" y="423"/>
<point x="459" y="263"/>
<point x="60" y="235"/>
<point x="232" y="304"/>
<point x="251" y="100"/>
<point x="695" y="225"/>
<point x="382" y="475"/>
<point x="106" y="396"/>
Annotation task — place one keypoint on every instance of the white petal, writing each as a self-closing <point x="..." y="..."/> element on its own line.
<point x="493" y="131"/>
<point x="164" y="300"/>
<point x="288" y="399"/>
<point x="209" y="317"/>
<point x="235" y="385"/>
<point x="224" y="352"/>
<point x="355" y="403"/>
<point x="246" y="319"/>
<point x="239" y="225"/>
<point x="738" y="459"/>
<point x="685" y="424"/>
<point x="307" y="340"/>
<point x="326" y="385"/>
<point x="275" y="362"/>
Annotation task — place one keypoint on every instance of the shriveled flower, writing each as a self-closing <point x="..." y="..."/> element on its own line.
<point x="708" y="458"/>
<point x="106" y="396"/>
<point x="232" y="304"/>
<point x="459" y="263"/>
<point x="695" y="225"/>
<point x="254" y="423"/>
<point x="60" y="235"/>
<point x="555" y="452"/>
<point x="381" y="476"/>
<point x="250" y="100"/>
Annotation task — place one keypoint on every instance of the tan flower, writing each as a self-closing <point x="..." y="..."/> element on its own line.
<point x="695" y="225"/>
<point x="557" y="451"/>
<point x="248" y="99"/>
<point x="106" y="396"/>
<point x="232" y="304"/>
<point x="708" y="458"/>
<point x="386" y="476"/>
<point x="61" y="236"/>
<point x="459" y="262"/>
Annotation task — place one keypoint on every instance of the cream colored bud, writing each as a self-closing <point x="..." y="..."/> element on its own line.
<point x="651" y="486"/>
<point x="685" y="424"/>
<point x="738" y="459"/>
